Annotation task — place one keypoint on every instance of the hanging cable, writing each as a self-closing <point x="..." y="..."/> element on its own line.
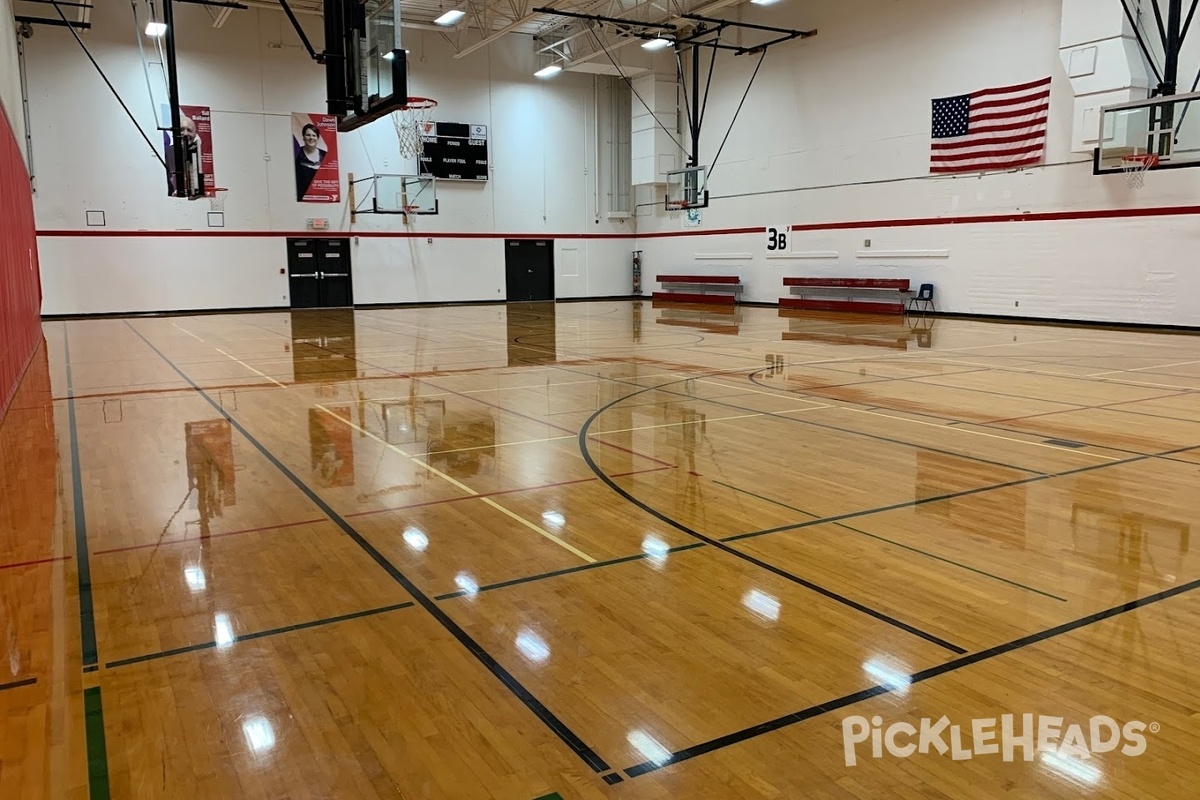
<point x="708" y="85"/>
<point x="628" y="82"/>
<point x="1141" y="42"/>
<point x="732" y="122"/>
<point x="111" y="88"/>
<point x="687" y="106"/>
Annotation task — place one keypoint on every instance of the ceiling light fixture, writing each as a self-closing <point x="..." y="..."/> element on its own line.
<point x="547" y="72"/>
<point x="450" y="17"/>
<point x="657" y="44"/>
<point x="156" y="29"/>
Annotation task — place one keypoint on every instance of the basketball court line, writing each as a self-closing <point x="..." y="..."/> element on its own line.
<point x="953" y="665"/>
<point x="898" y="544"/>
<point x="1026" y="371"/>
<point x="248" y="637"/>
<point x="38" y="562"/>
<point x="778" y="415"/>
<point x="722" y="546"/>
<point x="535" y="706"/>
<point x="462" y="487"/>
<point x="252" y="369"/>
<point x="189" y="333"/>
<point x="1142" y="369"/>
<point x="977" y="433"/>
<point x="17" y="684"/>
<point x="87" y="614"/>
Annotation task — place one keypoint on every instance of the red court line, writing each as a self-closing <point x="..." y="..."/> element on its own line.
<point x="194" y="539"/>
<point x="495" y="493"/>
<point x="35" y="563"/>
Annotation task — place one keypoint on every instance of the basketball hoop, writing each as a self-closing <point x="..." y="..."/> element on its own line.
<point x="411" y="123"/>
<point x="1135" y="168"/>
<point x="216" y="200"/>
<point x="410" y="209"/>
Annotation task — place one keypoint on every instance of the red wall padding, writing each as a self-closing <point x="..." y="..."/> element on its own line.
<point x="20" y="286"/>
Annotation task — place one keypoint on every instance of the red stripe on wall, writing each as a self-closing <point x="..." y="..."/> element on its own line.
<point x="100" y="233"/>
<point x="20" y="286"/>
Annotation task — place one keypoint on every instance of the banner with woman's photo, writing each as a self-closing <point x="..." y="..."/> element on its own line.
<point x="314" y="141"/>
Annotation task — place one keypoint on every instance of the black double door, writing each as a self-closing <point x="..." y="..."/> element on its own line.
<point x="319" y="273"/>
<point x="529" y="270"/>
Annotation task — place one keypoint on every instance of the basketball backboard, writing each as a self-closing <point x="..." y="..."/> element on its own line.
<point x="687" y="188"/>
<point x="367" y="74"/>
<point x="1161" y="127"/>
<point x="405" y="194"/>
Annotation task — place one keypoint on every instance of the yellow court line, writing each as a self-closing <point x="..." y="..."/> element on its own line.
<point x="252" y="369"/>
<point x="458" y="484"/>
<point x="491" y="446"/>
<point x="189" y="333"/>
<point x="978" y="433"/>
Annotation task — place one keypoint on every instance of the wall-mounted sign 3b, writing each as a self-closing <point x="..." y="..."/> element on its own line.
<point x="777" y="239"/>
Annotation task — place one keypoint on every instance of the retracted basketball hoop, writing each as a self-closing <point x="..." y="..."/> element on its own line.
<point x="411" y="121"/>
<point x="1136" y="166"/>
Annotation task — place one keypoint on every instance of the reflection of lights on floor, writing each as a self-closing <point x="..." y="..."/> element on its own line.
<point x="654" y="752"/>
<point x="656" y="550"/>
<point x="223" y="631"/>
<point x="762" y="604"/>
<point x="416" y="539"/>
<point x="553" y="519"/>
<point x="1074" y="770"/>
<point x="465" y="582"/>
<point x="260" y="736"/>
<point x="532" y="646"/>
<point x="194" y="576"/>
<point x="891" y="676"/>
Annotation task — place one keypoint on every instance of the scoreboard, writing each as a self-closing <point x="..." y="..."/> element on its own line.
<point x="454" y="151"/>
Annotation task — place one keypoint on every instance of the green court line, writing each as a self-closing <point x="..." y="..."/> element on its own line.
<point x="925" y="553"/>
<point x="97" y="753"/>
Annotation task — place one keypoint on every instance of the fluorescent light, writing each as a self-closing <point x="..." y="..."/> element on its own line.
<point x="659" y="44"/>
<point x="450" y="17"/>
<point x="763" y="2"/>
<point x="391" y="55"/>
<point x="546" y="72"/>
<point x="156" y="29"/>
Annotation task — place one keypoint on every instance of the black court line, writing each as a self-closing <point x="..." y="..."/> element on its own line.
<point x="941" y="669"/>
<point x="560" y="729"/>
<point x="17" y="684"/>
<point x="802" y="421"/>
<point x="846" y="601"/>
<point x="901" y="545"/>
<point x="87" y="614"/>
<point x="568" y="571"/>
<point x="953" y="495"/>
<point x="246" y="637"/>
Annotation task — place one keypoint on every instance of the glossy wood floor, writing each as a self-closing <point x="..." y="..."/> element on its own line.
<point x="598" y="550"/>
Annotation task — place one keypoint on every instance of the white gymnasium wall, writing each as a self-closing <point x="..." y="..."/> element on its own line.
<point x="253" y="73"/>
<point x="836" y="130"/>
<point x="10" y="79"/>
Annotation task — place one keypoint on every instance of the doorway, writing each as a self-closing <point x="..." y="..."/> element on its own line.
<point x="319" y="273"/>
<point x="529" y="270"/>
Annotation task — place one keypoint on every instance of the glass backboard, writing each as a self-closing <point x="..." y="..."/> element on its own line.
<point x="687" y="188"/>
<point x="405" y="194"/>
<point x="1165" y="127"/>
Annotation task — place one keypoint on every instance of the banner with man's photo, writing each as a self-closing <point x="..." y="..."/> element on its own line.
<point x="314" y="143"/>
<point x="196" y="125"/>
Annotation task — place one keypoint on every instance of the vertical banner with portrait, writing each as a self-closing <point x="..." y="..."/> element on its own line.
<point x="196" y="124"/>
<point x="314" y="144"/>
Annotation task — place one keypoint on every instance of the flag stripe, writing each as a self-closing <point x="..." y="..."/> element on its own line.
<point x="979" y="141"/>
<point x="1040" y="97"/>
<point x="998" y="128"/>
<point x="1008" y="89"/>
<point x="987" y="152"/>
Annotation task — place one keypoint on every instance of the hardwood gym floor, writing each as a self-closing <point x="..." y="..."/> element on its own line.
<point x="595" y="550"/>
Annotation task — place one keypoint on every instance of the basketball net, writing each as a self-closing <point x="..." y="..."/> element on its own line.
<point x="1135" y="168"/>
<point x="412" y="123"/>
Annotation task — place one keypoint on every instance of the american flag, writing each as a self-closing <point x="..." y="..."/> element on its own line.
<point x="999" y="128"/>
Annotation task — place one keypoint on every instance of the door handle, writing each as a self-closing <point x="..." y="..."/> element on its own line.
<point x="336" y="274"/>
<point x="304" y="275"/>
